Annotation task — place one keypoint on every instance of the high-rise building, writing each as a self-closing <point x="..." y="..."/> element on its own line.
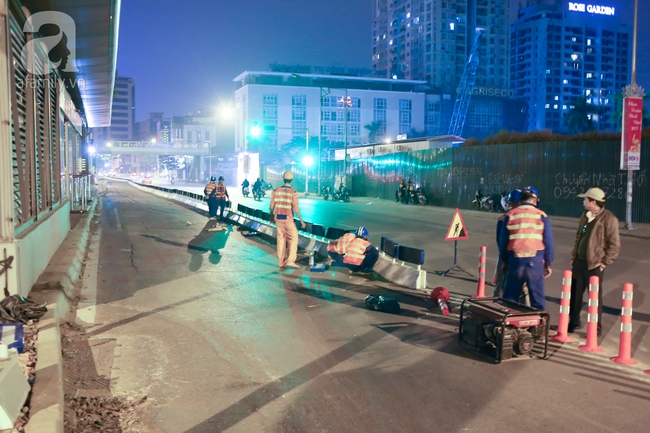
<point x="565" y="54"/>
<point x="431" y="40"/>
<point x="123" y="114"/>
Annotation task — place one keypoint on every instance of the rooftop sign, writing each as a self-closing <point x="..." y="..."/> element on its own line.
<point x="592" y="9"/>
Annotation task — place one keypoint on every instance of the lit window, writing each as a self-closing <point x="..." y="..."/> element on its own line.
<point x="606" y="101"/>
<point x="452" y="26"/>
<point x="394" y="77"/>
<point x="547" y="106"/>
<point x="587" y="92"/>
<point x="557" y="98"/>
<point x="390" y="42"/>
<point x="564" y="107"/>
<point x="555" y="107"/>
<point x="408" y="15"/>
<point x="383" y="37"/>
<point x="588" y="100"/>
<point x="573" y="39"/>
<point x="565" y="81"/>
<point x="588" y="41"/>
<point x="590" y="75"/>
<point x="574" y="57"/>
<point x="594" y="117"/>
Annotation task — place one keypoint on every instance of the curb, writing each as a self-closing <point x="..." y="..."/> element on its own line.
<point x="57" y="288"/>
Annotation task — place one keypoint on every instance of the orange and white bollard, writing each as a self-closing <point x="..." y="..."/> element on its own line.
<point x="625" y="345"/>
<point x="482" y="258"/>
<point x="565" y="304"/>
<point x="592" y="318"/>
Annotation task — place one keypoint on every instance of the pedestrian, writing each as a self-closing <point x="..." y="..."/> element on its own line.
<point x="210" y="192"/>
<point x="222" y="198"/>
<point x="353" y="251"/>
<point x="284" y="204"/>
<point x="597" y="245"/>
<point x="512" y="202"/>
<point x="527" y="248"/>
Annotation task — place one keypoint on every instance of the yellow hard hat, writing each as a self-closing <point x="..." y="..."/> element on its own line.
<point x="287" y="175"/>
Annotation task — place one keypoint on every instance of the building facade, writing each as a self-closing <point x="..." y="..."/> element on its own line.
<point x="562" y="52"/>
<point x="123" y="126"/>
<point x="337" y="109"/>
<point x="431" y="40"/>
<point x="45" y="112"/>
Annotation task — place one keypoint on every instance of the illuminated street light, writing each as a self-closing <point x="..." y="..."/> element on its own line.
<point x="255" y="131"/>
<point x="227" y="112"/>
<point x="308" y="161"/>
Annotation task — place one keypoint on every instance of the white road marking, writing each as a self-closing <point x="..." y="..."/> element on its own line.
<point x="117" y="221"/>
<point x="87" y="307"/>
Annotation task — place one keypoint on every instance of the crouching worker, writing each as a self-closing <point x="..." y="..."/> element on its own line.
<point x="353" y="251"/>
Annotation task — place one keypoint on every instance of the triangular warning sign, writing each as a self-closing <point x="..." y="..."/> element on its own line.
<point x="457" y="230"/>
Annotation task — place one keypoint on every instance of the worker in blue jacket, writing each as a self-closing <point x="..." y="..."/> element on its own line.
<point x="527" y="248"/>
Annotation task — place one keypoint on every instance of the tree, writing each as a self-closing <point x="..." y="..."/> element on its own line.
<point x="374" y="129"/>
<point x="169" y="163"/>
<point x="579" y="118"/>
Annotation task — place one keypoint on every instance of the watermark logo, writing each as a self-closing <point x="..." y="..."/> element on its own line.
<point x="41" y="46"/>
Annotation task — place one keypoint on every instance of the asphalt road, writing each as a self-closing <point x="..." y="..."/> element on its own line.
<point x="222" y="340"/>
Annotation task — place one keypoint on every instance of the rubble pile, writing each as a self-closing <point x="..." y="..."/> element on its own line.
<point x="109" y="414"/>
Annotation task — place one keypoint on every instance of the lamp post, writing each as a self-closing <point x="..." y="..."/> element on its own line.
<point x="633" y="91"/>
<point x="320" y="133"/>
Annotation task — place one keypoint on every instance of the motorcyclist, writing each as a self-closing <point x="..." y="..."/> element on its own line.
<point x="245" y="184"/>
<point x="257" y="186"/>
<point x="410" y="191"/>
<point x="401" y="191"/>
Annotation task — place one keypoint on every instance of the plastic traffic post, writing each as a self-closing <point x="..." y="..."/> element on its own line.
<point x="565" y="304"/>
<point x="482" y="257"/>
<point x="592" y="318"/>
<point x="625" y="345"/>
<point x="441" y="296"/>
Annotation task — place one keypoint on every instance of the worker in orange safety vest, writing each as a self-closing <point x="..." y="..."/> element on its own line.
<point x="284" y="203"/>
<point x="210" y="192"/>
<point x="527" y="248"/>
<point x="353" y="251"/>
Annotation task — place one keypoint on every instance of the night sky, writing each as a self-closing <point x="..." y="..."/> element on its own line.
<point x="184" y="55"/>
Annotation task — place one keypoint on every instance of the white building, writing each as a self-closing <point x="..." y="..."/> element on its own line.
<point x="284" y="105"/>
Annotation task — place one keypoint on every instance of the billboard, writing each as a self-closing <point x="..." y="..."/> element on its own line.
<point x="631" y="136"/>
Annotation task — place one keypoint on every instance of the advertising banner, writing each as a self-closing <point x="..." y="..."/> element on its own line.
<point x="631" y="135"/>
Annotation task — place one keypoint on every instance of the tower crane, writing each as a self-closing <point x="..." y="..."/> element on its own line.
<point x="465" y="88"/>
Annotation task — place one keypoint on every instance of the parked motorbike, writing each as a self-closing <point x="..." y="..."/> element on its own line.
<point x="482" y="202"/>
<point x="341" y="194"/>
<point x="326" y="192"/>
<point x="245" y="191"/>
<point x="419" y="194"/>
<point x="503" y="202"/>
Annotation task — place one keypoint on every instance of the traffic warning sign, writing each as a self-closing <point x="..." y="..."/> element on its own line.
<point x="457" y="230"/>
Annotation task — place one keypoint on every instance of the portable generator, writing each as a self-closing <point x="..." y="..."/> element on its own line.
<point x="502" y="329"/>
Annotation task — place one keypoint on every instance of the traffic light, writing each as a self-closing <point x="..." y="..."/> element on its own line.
<point x="255" y="131"/>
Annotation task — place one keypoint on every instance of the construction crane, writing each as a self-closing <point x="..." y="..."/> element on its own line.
<point x="465" y="88"/>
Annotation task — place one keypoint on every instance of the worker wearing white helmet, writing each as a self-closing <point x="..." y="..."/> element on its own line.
<point x="284" y="203"/>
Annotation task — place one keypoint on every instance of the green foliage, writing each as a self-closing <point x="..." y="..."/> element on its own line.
<point x="373" y="130"/>
<point x="169" y="163"/>
<point x="578" y="118"/>
<point x="513" y="137"/>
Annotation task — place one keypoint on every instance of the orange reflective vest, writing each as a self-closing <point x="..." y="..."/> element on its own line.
<point x="209" y="188"/>
<point x="221" y="192"/>
<point x="525" y="231"/>
<point x="350" y="247"/>
<point x="282" y="201"/>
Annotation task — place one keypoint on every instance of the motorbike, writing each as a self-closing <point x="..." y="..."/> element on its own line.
<point x="245" y="191"/>
<point x="268" y="186"/>
<point x="341" y="194"/>
<point x="326" y="192"/>
<point x="503" y="202"/>
<point x="482" y="202"/>
<point x="258" y="194"/>
<point x="419" y="194"/>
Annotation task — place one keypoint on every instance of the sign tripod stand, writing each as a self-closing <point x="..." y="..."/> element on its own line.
<point x="455" y="233"/>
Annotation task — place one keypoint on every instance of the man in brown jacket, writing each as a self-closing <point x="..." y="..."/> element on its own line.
<point x="597" y="246"/>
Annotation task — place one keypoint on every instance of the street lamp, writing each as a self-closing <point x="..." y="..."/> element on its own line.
<point x="320" y="133"/>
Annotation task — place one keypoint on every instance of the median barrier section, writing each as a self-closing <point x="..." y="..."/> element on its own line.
<point x="399" y="264"/>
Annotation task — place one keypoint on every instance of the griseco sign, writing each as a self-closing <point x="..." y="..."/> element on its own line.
<point x="592" y="9"/>
<point x="490" y="91"/>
